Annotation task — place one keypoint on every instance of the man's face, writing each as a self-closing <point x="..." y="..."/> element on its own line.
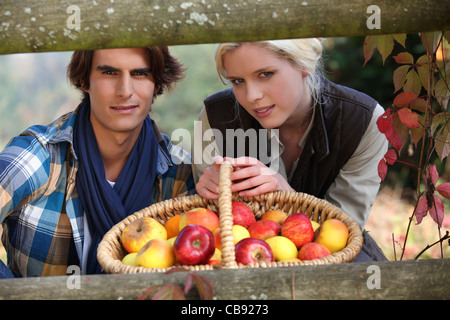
<point x="121" y="90"/>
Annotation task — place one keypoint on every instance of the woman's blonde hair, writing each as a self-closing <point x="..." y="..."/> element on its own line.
<point x="304" y="54"/>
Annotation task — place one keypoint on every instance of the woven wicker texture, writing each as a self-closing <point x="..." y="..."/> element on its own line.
<point x="110" y="250"/>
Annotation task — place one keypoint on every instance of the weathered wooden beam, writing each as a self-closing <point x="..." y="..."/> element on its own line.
<point x="65" y="25"/>
<point x="422" y="279"/>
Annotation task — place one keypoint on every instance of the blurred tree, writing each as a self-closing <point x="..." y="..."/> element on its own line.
<point x="180" y="108"/>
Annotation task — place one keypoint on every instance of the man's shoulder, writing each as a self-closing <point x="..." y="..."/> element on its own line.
<point x="59" y="130"/>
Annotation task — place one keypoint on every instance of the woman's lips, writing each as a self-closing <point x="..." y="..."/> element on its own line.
<point x="263" y="112"/>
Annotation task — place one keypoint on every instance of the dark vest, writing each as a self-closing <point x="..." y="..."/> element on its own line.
<point x="340" y="120"/>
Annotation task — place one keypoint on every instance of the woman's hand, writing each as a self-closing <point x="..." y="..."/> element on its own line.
<point x="250" y="177"/>
<point x="208" y="184"/>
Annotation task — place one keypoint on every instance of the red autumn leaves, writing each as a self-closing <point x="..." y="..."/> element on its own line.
<point x="413" y="116"/>
<point x="390" y="123"/>
<point x="430" y="203"/>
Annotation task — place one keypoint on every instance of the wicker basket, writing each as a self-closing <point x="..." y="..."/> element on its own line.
<point x="110" y="250"/>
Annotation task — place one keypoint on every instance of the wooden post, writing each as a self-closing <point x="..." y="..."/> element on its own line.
<point x="421" y="279"/>
<point x="65" y="25"/>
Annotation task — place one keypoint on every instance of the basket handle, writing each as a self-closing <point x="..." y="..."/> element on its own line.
<point x="226" y="216"/>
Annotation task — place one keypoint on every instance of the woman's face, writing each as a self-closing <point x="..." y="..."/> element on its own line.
<point x="270" y="88"/>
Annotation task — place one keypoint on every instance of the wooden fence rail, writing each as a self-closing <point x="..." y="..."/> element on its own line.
<point x="65" y="25"/>
<point x="421" y="279"/>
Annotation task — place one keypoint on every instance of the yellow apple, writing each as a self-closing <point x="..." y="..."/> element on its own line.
<point x="239" y="233"/>
<point x="130" y="259"/>
<point x="139" y="232"/>
<point x="216" y="258"/>
<point x="157" y="253"/>
<point x="315" y="225"/>
<point x="282" y="248"/>
<point x="332" y="234"/>
<point x="217" y="255"/>
<point x="172" y="240"/>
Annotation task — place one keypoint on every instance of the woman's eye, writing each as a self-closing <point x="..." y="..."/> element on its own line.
<point x="236" y="81"/>
<point x="266" y="74"/>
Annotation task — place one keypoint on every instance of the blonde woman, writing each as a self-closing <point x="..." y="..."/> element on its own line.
<point x="286" y="127"/>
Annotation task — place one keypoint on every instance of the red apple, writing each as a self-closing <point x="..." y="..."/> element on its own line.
<point x="194" y="245"/>
<point x="313" y="250"/>
<point x="298" y="228"/>
<point x="251" y="250"/>
<point x="242" y="215"/>
<point x="264" y="229"/>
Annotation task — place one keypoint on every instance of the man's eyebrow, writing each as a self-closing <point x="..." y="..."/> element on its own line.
<point x="142" y="70"/>
<point x="106" y="68"/>
<point x="109" y="68"/>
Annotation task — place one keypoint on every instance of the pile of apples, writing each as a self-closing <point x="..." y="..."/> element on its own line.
<point x="193" y="238"/>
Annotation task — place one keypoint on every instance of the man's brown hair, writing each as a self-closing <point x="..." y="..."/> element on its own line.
<point x="165" y="68"/>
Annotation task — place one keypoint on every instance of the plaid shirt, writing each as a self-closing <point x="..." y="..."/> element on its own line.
<point x="40" y="211"/>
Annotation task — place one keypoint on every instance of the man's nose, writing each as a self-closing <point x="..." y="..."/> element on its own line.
<point x="125" y="87"/>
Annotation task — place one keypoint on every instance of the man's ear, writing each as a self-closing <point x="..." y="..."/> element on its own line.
<point x="83" y="86"/>
<point x="156" y="90"/>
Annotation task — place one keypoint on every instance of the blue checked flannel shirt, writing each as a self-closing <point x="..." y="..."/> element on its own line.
<point x="40" y="211"/>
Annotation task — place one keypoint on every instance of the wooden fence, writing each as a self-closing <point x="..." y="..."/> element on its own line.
<point x="422" y="279"/>
<point x="65" y="25"/>
<point x="37" y="26"/>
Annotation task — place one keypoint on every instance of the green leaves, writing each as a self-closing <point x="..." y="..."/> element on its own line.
<point x="442" y="140"/>
<point x="384" y="44"/>
<point x="411" y="76"/>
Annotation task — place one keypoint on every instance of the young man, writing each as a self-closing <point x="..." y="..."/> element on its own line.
<point x="63" y="186"/>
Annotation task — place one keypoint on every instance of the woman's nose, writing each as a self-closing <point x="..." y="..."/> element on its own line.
<point x="254" y="92"/>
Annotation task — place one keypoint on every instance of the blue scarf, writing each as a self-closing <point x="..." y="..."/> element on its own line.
<point x="104" y="205"/>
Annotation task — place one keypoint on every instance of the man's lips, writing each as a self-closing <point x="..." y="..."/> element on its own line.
<point x="124" y="107"/>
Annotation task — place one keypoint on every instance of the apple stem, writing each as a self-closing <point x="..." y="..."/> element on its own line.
<point x="196" y="244"/>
